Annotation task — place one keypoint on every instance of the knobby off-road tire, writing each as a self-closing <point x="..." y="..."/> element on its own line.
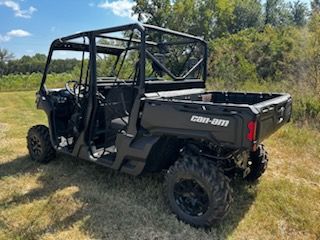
<point x="197" y="191"/>
<point x="39" y="144"/>
<point x="259" y="160"/>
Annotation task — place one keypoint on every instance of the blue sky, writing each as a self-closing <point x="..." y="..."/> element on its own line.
<point x="29" y="26"/>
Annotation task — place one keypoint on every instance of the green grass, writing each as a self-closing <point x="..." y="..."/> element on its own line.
<point x="25" y="82"/>
<point x="74" y="199"/>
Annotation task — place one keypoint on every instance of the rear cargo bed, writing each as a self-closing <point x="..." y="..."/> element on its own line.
<point x="190" y="111"/>
<point x="274" y="109"/>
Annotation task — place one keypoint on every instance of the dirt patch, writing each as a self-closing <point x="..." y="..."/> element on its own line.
<point x="4" y="127"/>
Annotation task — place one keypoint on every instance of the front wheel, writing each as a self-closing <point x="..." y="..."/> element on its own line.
<point x="198" y="192"/>
<point x="39" y="144"/>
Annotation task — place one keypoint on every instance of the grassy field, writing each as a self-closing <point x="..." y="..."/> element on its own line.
<point x="73" y="199"/>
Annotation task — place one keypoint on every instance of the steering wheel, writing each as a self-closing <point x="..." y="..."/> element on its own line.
<point x="72" y="89"/>
<point x="75" y="88"/>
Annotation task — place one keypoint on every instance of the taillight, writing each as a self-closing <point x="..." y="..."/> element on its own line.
<point x="252" y="126"/>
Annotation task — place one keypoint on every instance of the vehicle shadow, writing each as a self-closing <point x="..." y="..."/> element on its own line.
<point x="244" y="194"/>
<point x="110" y="205"/>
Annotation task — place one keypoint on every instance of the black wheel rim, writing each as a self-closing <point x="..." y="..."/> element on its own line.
<point x="35" y="146"/>
<point x="191" y="198"/>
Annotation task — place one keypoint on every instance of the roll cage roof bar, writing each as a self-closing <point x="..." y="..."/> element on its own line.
<point x="65" y="43"/>
<point x="137" y="26"/>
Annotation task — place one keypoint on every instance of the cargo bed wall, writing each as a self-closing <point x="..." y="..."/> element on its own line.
<point x="231" y="97"/>
<point x="223" y="125"/>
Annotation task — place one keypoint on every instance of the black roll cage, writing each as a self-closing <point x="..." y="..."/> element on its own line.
<point x="139" y="85"/>
<point x="65" y="43"/>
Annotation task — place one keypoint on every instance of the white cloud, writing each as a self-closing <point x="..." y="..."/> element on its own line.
<point x="91" y="4"/>
<point x="122" y="8"/>
<point x="4" y="38"/>
<point x="16" y="33"/>
<point x="18" y="12"/>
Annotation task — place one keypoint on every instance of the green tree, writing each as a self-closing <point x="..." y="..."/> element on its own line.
<point x="299" y="13"/>
<point x="315" y="6"/>
<point x="247" y="14"/>
<point x="313" y="52"/>
<point x="5" y="55"/>
<point x="190" y="16"/>
<point x="255" y="55"/>
<point x="277" y="13"/>
<point x="193" y="16"/>
<point x="207" y="18"/>
<point x="156" y="12"/>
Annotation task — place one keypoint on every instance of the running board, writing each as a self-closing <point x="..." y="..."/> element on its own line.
<point x="104" y="157"/>
<point x="102" y="152"/>
<point x="106" y="161"/>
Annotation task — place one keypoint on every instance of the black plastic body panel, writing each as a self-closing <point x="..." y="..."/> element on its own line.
<point x="222" y="120"/>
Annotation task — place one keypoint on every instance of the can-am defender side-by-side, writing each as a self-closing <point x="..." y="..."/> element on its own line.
<point x="157" y="116"/>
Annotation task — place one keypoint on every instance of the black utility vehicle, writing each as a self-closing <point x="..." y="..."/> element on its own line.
<point x="151" y="112"/>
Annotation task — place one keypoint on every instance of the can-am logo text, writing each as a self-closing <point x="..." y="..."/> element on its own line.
<point x="213" y="121"/>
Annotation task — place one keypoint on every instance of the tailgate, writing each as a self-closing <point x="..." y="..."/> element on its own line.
<point x="274" y="113"/>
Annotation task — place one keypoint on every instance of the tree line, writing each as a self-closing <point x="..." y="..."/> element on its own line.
<point x="249" y="40"/>
<point x="216" y="18"/>
<point x="33" y="64"/>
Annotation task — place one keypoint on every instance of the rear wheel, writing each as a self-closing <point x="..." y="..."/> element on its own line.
<point x="39" y="144"/>
<point x="198" y="192"/>
<point x="259" y="163"/>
